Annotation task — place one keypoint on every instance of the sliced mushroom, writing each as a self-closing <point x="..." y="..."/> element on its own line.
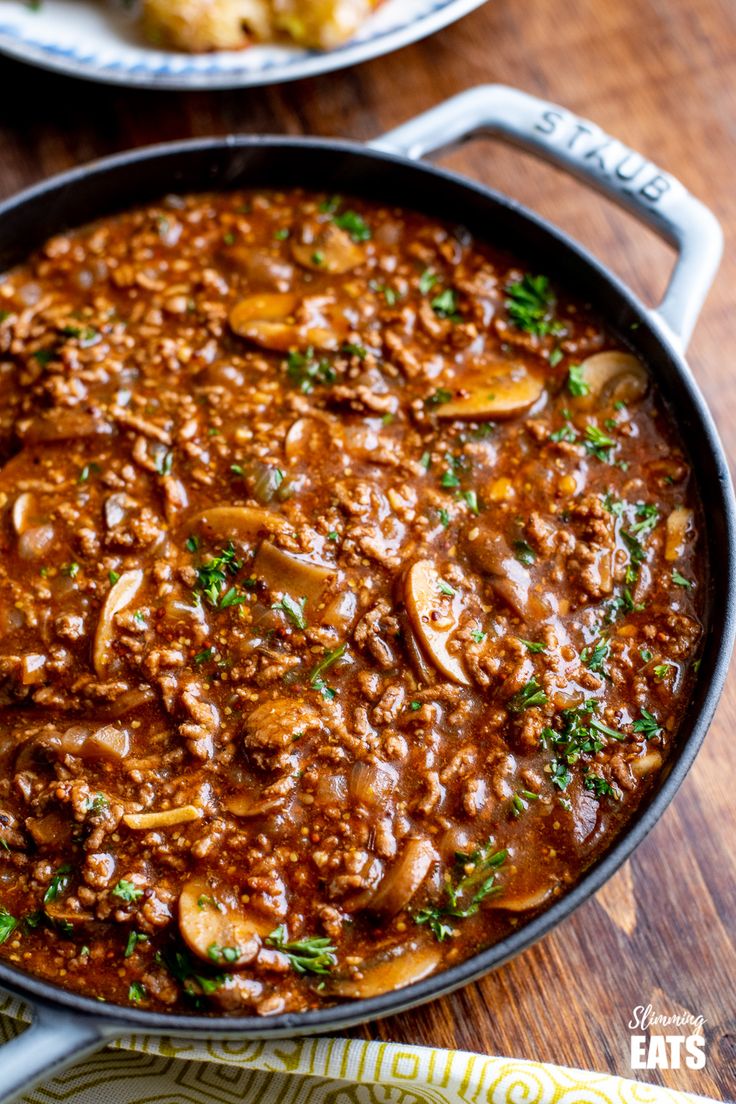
<point x="297" y="575"/>
<point x="393" y="973"/>
<point x="245" y="523"/>
<point x="434" y="616"/>
<point x="216" y="930"/>
<point x="612" y="376"/>
<point x="36" y="541"/>
<point x="165" y="818"/>
<point x="490" y="552"/>
<point x="399" y="884"/>
<point x="120" y="596"/>
<point x="522" y="902"/>
<point x="330" y="249"/>
<point x="679" y="524"/>
<point x="494" y="392"/>
<point x="286" y="321"/>
<point x="52" y="830"/>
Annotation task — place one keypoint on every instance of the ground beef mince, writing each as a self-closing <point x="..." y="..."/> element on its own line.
<point x="350" y="598"/>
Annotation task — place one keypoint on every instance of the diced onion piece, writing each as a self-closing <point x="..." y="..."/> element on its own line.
<point x="215" y="930"/>
<point x="372" y="783"/>
<point x="32" y="669"/>
<point x="403" y="879"/>
<point x="36" y="542"/>
<point x="496" y="392"/>
<point x="434" y="618"/>
<point x="165" y="818"/>
<point x="393" y="973"/>
<point x="295" y="574"/>
<point x="285" y="321"/>
<point x="306" y="436"/>
<point x="650" y="761"/>
<point x="679" y="524"/>
<point x="331" y="250"/>
<point x="95" y="742"/>
<point x="245" y="523"/>
<point x="612" y="376"/>
<point x="22" y="511"/>
<point x="121" y="595"/>
<point x="246" y="805"/>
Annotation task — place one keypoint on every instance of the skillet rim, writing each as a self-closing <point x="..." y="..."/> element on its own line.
<point x="116" y="1019"/>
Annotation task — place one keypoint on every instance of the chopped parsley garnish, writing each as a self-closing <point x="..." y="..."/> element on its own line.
<point x="648" y="515"/>
<point x="597" y="785"/>
<point x="528" y="697"/>
<point x="137" y="992"/>
<point x="126" y="891"/>
<point x="113" y="576"/>
<point x="681" y="581"/>
<point x="598" y="443"/>
<point x="351" y="349"/>
<point x="533" y="646"/>
<point x="613" y="505"/>
<point x="427" y="281"/>
<point x="531" y="305"/>
<point x="58" y="884"/>
<point x="566" y="432"/>
<point x="445" y="588"/>
<point x="312" y="955"/>
<point x="471" y="501"/>
<point x="414" y="706"/>
<point x="645" y="654"/>
<point x="293" y="610"/>
<point x="576" y="384"/>
<point x="223" y="954"/>
<point x="445" y="305"/>
<point x="475" y="882"/>
<point x="580" y="734"/>
<point x="438" y="397"/>
<point x="307" y="373"/>
<point x="662" y="670"/>
<point x="316" y="680"/>
<point x="449" y="479"/>
<point x="478" y="635"/>
<point x="192" y="543"/>
<point x="648" y="725"/>
<point x="213" y="576"/>
<point x="193" y="984"/>
<point x="281" y="234"/>
<point x="164" y="462"/>
<point x="354" y="225"/>
<point x="8" y="924"/>
<point x="134" y="939"/>
<point x="524" y="553"/>
<point x="555" y="356"/>
<point x="205" y="655"/>
<point x="560" y="774"/>
<point x="71" y="570"/>
<point x="594" y="657"/>
<point x="623" y="603"/>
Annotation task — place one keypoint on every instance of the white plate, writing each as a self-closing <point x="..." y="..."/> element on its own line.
<point x="83" y="38"/>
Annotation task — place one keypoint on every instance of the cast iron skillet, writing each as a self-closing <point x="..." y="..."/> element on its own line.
<point x="67" y="1026"/>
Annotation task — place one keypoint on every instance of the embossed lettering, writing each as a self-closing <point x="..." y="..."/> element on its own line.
<point x="655" y="188"/>
<point x="549" y="121"/>
<point x="595" y="154"/>
<point x="580" y="129"/>
<point x="624" y="173"/>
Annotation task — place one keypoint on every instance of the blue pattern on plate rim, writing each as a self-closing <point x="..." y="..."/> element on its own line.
<point x="175" y="72"/>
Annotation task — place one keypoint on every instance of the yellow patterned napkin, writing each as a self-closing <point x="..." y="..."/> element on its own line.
<point x="320" y="1071"/>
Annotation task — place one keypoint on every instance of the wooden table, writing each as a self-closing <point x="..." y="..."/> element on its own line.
<point x="661" y="74"/>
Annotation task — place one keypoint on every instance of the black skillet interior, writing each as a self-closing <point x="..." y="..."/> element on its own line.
<point x="213" y="164"/>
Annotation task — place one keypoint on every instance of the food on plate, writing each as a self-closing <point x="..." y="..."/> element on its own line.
<point x="351" y="596"/>
<point x="201" y="25"/>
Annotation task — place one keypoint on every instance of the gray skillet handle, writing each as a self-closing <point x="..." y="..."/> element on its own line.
<point x="584" y="150"/>
<point x="54" y="1041"/>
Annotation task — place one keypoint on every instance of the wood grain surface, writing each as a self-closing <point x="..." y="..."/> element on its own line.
<point x="661" y="75"/>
